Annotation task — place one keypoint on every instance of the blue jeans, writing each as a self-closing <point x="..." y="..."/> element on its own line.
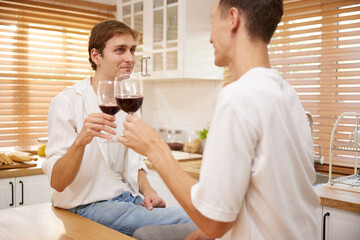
<point x="125" y="214"/>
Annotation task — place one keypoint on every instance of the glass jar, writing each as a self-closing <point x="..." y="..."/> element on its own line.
<point x="193" y="143"/>
<point x="42" y="145"/>
<point x="175" y="139"/>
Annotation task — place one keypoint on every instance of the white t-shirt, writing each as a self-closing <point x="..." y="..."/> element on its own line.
<point x="257" y="168"/>
<point x="107" y="169"/>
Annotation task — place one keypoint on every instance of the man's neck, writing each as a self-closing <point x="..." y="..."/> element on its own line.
<point x="248" y="55"/>
<point x="98" y="76"/>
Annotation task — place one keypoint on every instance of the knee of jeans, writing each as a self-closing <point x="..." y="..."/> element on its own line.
<point x="164" y="232"/>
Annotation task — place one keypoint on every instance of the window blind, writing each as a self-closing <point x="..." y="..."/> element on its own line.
<point x="316" y="48"/>
<point x="43" y="49"/>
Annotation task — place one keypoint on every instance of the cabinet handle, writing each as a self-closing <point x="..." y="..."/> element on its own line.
<point x="12" y="194"/>
<point x="22" y="192"/>
<point x="146" y="72"/>
<point x="142" y="66"/>
<point x="324" y="223"/>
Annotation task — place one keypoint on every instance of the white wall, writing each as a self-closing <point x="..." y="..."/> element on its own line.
<point x="187" y="104"/>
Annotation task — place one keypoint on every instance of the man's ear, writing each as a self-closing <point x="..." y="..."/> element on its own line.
<point x="95" y="56"/>
<point x="234" y="15"/>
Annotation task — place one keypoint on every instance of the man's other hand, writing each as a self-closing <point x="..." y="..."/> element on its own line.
<point x="153" y="200"/>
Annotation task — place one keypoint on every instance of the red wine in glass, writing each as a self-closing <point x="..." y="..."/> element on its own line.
<point x="106" y="101"/>
<point x="109" y="109"/>
<point x="128" y="93"/>
<point x="129" y="103"/>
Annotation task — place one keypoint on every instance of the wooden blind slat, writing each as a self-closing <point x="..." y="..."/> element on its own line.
<point x="57" y="23"/>
<point x="21" y="119"/>
<point x="23" y="35"/>
<point x="100" y="7"/>
<point x="8" y="100"/>
<point x="29" y="16"/>
<point x="325" y="82"/>
<point x="326" y="42"/>
<point x="58" y="64"/>
<point x="21" y="26"/>
<point x="49" y="11"/>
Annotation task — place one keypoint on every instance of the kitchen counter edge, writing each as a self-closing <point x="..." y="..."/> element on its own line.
<point x="22" y="172"/>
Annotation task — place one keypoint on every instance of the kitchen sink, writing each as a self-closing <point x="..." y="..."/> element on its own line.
<point x="321" y="178"/>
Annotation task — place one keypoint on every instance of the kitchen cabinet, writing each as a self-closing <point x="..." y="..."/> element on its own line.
<point x="162" y="190"/>
<point x="319" y="218"/>
<point x="174" y="38"/>
<point x="340" y="224"/>
<point x="23" y="191"/>
<point x="132" y="14"/>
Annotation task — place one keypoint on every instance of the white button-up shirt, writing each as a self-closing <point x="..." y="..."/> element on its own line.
<point x="107" y="169"/>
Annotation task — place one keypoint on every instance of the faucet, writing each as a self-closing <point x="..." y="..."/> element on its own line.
<point x="311" y="122"/>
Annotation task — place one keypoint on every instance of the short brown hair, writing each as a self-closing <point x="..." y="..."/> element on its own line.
<point x="262" y="16"/>
<point x="105" y="30"/>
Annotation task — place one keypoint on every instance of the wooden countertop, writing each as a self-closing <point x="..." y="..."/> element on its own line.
<point x="20" y="172"/>
<point x="191" y="167"/>
<point x="340" y="199"/>
<point x="44" y="222"/>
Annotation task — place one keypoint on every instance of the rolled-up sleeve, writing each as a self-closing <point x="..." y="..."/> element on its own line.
<point x="61" y="131"/>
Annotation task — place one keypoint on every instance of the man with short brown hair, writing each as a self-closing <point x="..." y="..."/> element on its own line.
<point x="257" y="170"/>
<point x="101" y="181"/>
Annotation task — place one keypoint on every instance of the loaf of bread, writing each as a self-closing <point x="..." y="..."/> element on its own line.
<point x="19" y="156"/>
<point x="4" y="159"/>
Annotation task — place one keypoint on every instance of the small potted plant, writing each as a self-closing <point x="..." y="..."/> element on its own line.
<point x="203" y="134"/>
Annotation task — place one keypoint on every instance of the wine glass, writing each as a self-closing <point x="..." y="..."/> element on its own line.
<point x="106" y="100"/>
<point x="128" y="93"/>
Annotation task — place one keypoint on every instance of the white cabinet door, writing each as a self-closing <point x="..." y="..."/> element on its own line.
<point x="7" y="193"/>
<point x="32" y="190"/>
<point x="319" y="218"/>
<point x="175" y="43"/>
<point x="131" y="12"/>
<point x="158" y="184"/>
<point x="341" y="225"/>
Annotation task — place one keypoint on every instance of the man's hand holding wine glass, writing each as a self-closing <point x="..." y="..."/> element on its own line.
<point x="109" y="107"/>
<point x="95" y="125"/>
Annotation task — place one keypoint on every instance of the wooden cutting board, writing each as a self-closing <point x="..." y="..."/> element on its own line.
<point x="184" y="156"/>
<point x="18" y="165"/>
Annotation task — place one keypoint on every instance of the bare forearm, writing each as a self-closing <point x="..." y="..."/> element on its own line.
<point x="66" y="168"/>
<point x="144" y="185"/>
<point x="180" y="185"/>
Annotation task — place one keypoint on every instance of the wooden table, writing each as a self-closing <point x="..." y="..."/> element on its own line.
<point x="46" y="222"/>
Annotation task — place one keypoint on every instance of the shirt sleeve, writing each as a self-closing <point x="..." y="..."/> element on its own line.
<point x="61" y="131"/>
<point x="226" y="165"/>
<point x="142" y="164"/>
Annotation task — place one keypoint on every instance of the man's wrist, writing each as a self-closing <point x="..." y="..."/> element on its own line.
<point x="149" y="191"/>
<point x="157" y="151"/>
<point x="78" y="143"/>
